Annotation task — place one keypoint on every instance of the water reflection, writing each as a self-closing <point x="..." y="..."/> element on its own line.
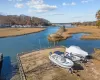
<point x="8" y="69"/>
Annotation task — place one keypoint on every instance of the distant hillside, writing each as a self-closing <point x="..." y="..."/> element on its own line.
<point x="10" y="20"/>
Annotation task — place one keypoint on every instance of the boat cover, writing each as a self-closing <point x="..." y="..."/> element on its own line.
<point x="76" y="51"/>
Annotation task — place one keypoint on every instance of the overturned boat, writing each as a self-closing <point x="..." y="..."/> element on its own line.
<point x="76" y="53"/>
<point x="61" y="61"/>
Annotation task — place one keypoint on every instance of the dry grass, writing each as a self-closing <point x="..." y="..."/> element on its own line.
<point x="6" y="32"/>
<point x="37" y="66"/>
<point x="96" y="54"/>
<point x="93" y="30"/>
<point x="37" y="58"/>
<point x="91" y="71"/>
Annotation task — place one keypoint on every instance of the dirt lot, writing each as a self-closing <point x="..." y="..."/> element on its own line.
<point x="6" y="32"/>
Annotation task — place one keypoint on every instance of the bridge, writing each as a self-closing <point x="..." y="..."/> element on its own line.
<point x="62" y="24"/>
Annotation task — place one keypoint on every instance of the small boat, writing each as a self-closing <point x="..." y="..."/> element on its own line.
<point x="73" y="57"/>
<point x="76" y="51"/>
<point x="61" y="61"/>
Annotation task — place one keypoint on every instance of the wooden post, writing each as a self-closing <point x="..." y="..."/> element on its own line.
<point x="48" y="44"/>
<point x="39" y="43"/>
<point x="54" y="43"/>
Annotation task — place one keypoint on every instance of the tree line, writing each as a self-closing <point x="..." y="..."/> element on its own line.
<point x="98" y="18"/>
<point x="92" y="23"/>
<point x="88" y="23"/>
<point x="22" y="20"/>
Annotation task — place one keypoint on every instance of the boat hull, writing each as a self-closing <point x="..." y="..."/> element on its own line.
<point x="67" y="64"/>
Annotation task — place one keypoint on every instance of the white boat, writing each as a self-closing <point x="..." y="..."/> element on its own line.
<point x="61" y="61"/>
<point x="76" y="51"/>
<point x="73" y="57"/>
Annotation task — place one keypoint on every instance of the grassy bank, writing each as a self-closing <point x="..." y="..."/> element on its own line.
<point x="96" y="54"/>
<point x="93" y="30"/>
<point x="92" y="68"/>
<point x="10" y="32"/>
<point x="37" y="66"/>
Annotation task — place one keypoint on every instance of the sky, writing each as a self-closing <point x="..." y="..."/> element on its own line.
<point x="56" y="11"/>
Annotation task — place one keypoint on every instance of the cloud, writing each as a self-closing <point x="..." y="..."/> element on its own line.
<point x="9" y="0"/>
<point x="84" y="1"/>
<point x="15" y="0"/>
<point x="40" y="6"/>
<point x="77" y="17"/>
<point x="73" y="3"/>
<point x="69" y="4"/>
<point x="50" y="14"/>
<point x="18" y="0"/>
<point x="91" y="14"/>
<point x="87" y="1"/>
<point x="57" y="14"/>
<point x="82" y="16"/>
<point x="64" y="4"/>
<point x="54" y="14"/>
<point x="19" y="5"/>
<point x="37" y="11"/>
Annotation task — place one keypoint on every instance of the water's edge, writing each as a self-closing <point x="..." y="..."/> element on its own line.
<point x="11" y="46"/>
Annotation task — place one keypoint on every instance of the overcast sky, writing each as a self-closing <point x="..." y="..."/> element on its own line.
<point x="56" y="11"/>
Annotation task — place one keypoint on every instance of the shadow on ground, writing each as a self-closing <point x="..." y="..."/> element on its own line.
<point x="77" y="67"/>
<point x="8" y="69"/>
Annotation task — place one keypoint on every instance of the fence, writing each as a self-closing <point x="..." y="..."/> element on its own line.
<point x="22" y="74"/>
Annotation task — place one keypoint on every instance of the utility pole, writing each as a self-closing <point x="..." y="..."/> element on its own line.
<point x="54" y="43"/>
<point x="31" y="21"/>
<point x="49" y="44"/>
<point x="40" y="43"/>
